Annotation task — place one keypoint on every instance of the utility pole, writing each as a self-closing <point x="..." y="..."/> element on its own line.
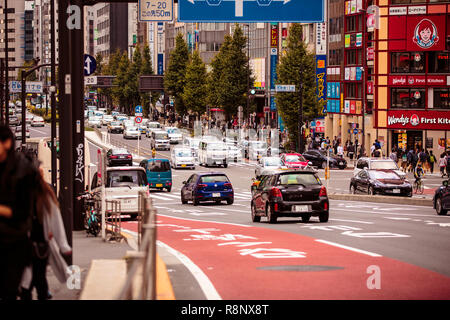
<point x="7" y="66"/>
<point x="54" y="166"/>
<point x="2" y="87"/>
<point x="65" y="121"/>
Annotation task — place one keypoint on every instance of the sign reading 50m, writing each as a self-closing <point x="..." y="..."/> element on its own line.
<point x="251" y="10"/>
<point x="155" y="10"/>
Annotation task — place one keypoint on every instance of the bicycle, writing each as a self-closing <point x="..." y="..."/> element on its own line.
<point x="92" y="219"/>
<point x="418" y="186"/>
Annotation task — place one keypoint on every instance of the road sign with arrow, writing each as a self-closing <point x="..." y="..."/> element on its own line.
<point x="90" y="64"/>
<point x="251" y="11"/>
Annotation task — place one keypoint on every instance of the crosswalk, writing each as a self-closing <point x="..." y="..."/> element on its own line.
<point x="166" y="197"/>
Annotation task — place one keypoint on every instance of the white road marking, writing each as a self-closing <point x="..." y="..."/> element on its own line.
<point x="392" y="213"/>
<point x="205" y="284"/>
<point x="349" y="248"/>
<point x="197" y="220"/>
<point x="355" y="221"/>
<point x="42" y="132"/>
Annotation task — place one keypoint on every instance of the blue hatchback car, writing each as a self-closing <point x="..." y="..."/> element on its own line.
<point x="207" y="186"/>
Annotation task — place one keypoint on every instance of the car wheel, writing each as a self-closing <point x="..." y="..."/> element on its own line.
<point x="353" y="189"/>
<point x="183" y="200"/>
<point x="271" y="217"/>
<point x="305" y="218"/>
<point x="439" y="210"/>
<point x="323" y="216"/>
<point x="225" y="165"/>
<point x="324" y="165"/>
<point x="169" y="189"/>
<point x="255" y="218"/>
<point x="230" y="201"/>
<point x="194" y="200"/>
<point x="217" y="201"/>
<point x="371" y="192"/>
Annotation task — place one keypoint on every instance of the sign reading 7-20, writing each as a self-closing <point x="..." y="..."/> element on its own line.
<point x="155" y="10"/>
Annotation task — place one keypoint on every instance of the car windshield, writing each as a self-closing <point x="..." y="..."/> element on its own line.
<point x="132" y="128"/>
<point x="158" y="166"/>
<point x="154" y="125"/>
<point x="381" y="175"/>
<point x="161" y="136"/>
<point x="295" y="158"/>
<point x="115" y="123"/>
<point x="173" y="130"/>
<point x="259" y="144"/>
<point x="306" y="179"/>
<point x="272" y="162"/>
<point x="214" y="179"/>
<point x="126" y="178"/>
<point x="384" y="165"/>
<point x="217" y="147"/>
<point x="183" y="153"/>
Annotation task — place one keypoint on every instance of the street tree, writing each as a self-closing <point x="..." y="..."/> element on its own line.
<point x="120" y="83"/>
<point x="131" y="89"/>
<point x="147" y="69"/>
<point x="297" y="67"/>
<point x="175" y="77"/>
<point x="196" y="88"/>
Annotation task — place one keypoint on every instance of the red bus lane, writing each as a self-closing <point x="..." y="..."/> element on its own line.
<point x="246" y="262"/>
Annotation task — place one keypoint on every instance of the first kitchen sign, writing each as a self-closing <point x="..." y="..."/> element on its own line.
<point x="419" y="120"/>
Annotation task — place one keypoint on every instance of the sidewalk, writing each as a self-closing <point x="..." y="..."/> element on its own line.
<point x="85" y="249"/>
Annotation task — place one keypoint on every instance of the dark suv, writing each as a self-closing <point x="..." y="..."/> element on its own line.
<point x="290" y="193"/>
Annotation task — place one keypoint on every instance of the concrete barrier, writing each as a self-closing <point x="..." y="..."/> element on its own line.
<point x="382" y="199"/>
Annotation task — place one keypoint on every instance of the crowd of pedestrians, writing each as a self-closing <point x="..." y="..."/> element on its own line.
<point x="31" y="229"/>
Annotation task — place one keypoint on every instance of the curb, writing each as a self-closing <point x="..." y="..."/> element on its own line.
<point x="382" y="199"/>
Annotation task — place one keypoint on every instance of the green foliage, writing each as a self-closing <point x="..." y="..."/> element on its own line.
<point x="196" y="89"/>
<point x="230" y="73"/>
<point x="119" y="92"/>
<point x="297" y="67"/>
<point x="174" y="79"/>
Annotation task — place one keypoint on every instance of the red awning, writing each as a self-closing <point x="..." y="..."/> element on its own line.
<point x="216" y="109"/>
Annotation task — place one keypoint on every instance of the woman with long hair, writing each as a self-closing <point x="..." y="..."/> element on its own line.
<point x="47" y="226"/>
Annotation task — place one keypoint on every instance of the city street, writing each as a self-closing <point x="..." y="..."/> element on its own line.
<point x="406" y="242"/>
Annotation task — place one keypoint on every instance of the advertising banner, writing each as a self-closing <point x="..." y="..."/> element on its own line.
<point x="425" y="33"/>
<point x="418" y="120"/>
<point x="321" y="80"/>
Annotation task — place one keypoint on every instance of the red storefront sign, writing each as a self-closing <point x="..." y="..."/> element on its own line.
<point x="418" y="120"/>
<point x="415" y="81"/>
<point x="274" y="36"/>
<point x="425" y="33"/>
<point x="370" y="54"/>
<point x="369" y="87"/>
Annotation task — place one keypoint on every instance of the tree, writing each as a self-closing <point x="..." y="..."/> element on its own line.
<point x="174" y="79"/>
<point x="120" y="82"/>
<point x="131" y="89"/>
<point x="196" y="88"/>
<point x="297" y="67"/>
<point x="230" y="73"/>
<point x="147" y="69"/>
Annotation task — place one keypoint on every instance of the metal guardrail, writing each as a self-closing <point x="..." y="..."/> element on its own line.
<point x="142" y="266"/>
<point x="113" y="213"/>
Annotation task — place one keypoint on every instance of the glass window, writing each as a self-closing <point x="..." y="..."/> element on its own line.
<point x="407" y="98"/>
<point x="158" y="166"/>
<point x="406" y="62"/>
<point x="125" y="178"/>
<point x="386" y="165"/>
<point x="214" y="179"/>
<point x="295" y="158"/>
<point x="305" y="179"/>
<point x="441" y="98"/>
<point x="439" y="62"/>
<point x="381" y="175"/>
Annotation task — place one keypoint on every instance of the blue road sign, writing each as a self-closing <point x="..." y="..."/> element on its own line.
<point x="355" y="131"/>
<point x="138" y="109"/>
<point x="251" y="11"/>
<point x="89" y="65"/>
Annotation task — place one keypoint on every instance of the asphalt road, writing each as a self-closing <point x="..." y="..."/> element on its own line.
<point x="215" y="251"/>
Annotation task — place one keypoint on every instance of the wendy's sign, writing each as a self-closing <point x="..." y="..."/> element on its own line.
<point x="425" y="33"/>
<point x="417" y="119"/>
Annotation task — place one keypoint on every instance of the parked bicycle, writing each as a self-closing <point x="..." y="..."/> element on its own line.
<point x="92" y="217"/>
<point x="418" y="186"/>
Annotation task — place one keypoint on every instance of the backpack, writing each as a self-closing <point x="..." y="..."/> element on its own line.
<point x="432" y="159"/>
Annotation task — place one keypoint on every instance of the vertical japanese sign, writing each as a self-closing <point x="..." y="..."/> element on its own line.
<point x="160" y="45"/>
<point x="321" y="81"/>
<point x="273" y="61"/>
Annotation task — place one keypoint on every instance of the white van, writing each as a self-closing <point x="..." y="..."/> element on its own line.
<point x="212" y="153"/>
<point x="159" y="140"/>
<point x="123" y="184"/>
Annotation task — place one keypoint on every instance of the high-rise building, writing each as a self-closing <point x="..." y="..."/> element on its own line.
<point x="16" y="34"/>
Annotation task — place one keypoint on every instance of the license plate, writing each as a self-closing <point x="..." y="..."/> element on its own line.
<point x="183" y="165"/>
<point x="396" y="191"/>
<point x="218" y="162"/>
<point x="126" y="201"/>
<point x="216" y="194"/>
<point x="341" y="163"/>
<point x="121" y="157"/>
<point x="300" y="208"/>
<point x="159" y="185"/>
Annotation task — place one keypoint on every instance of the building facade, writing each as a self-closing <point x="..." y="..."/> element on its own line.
<point x="412" y="74"/>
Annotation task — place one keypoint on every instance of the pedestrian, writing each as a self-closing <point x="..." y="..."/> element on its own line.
<point x="351" y="150"/>
<point x="432" y="161"/>
<point x="393" y="155"/>
<point x="442" y="164"/>
<point x="372" y="149"/>
<point x="340" y="151"/>
<point x="17" y="180"/>
<point x="47" y="226"/>
<point x="404" y="162"/>
<point x="448" y="164"/>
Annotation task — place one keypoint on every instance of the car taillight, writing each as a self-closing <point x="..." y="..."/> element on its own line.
<point x="275" y="192"/>
<point x="323" y="192"/>
<point x="199" y="186"/>
<point x="325" y="206"/>
<point x="113" y="157"/>
<point x="227" y="185"/>
<point x="129" y="156"/>
<point x="275" y="207"/>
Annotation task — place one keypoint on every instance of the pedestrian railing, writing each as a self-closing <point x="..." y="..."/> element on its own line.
<point x="141" y="276"/>
<point x="114" y="219"/>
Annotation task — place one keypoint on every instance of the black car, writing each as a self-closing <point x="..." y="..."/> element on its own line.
<point x="319" y="159"/>
<point x="385" y="182"/>
<point x="291" y="193"/>
<point x="441" y="199"/>
<point x="119" y="157"/>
